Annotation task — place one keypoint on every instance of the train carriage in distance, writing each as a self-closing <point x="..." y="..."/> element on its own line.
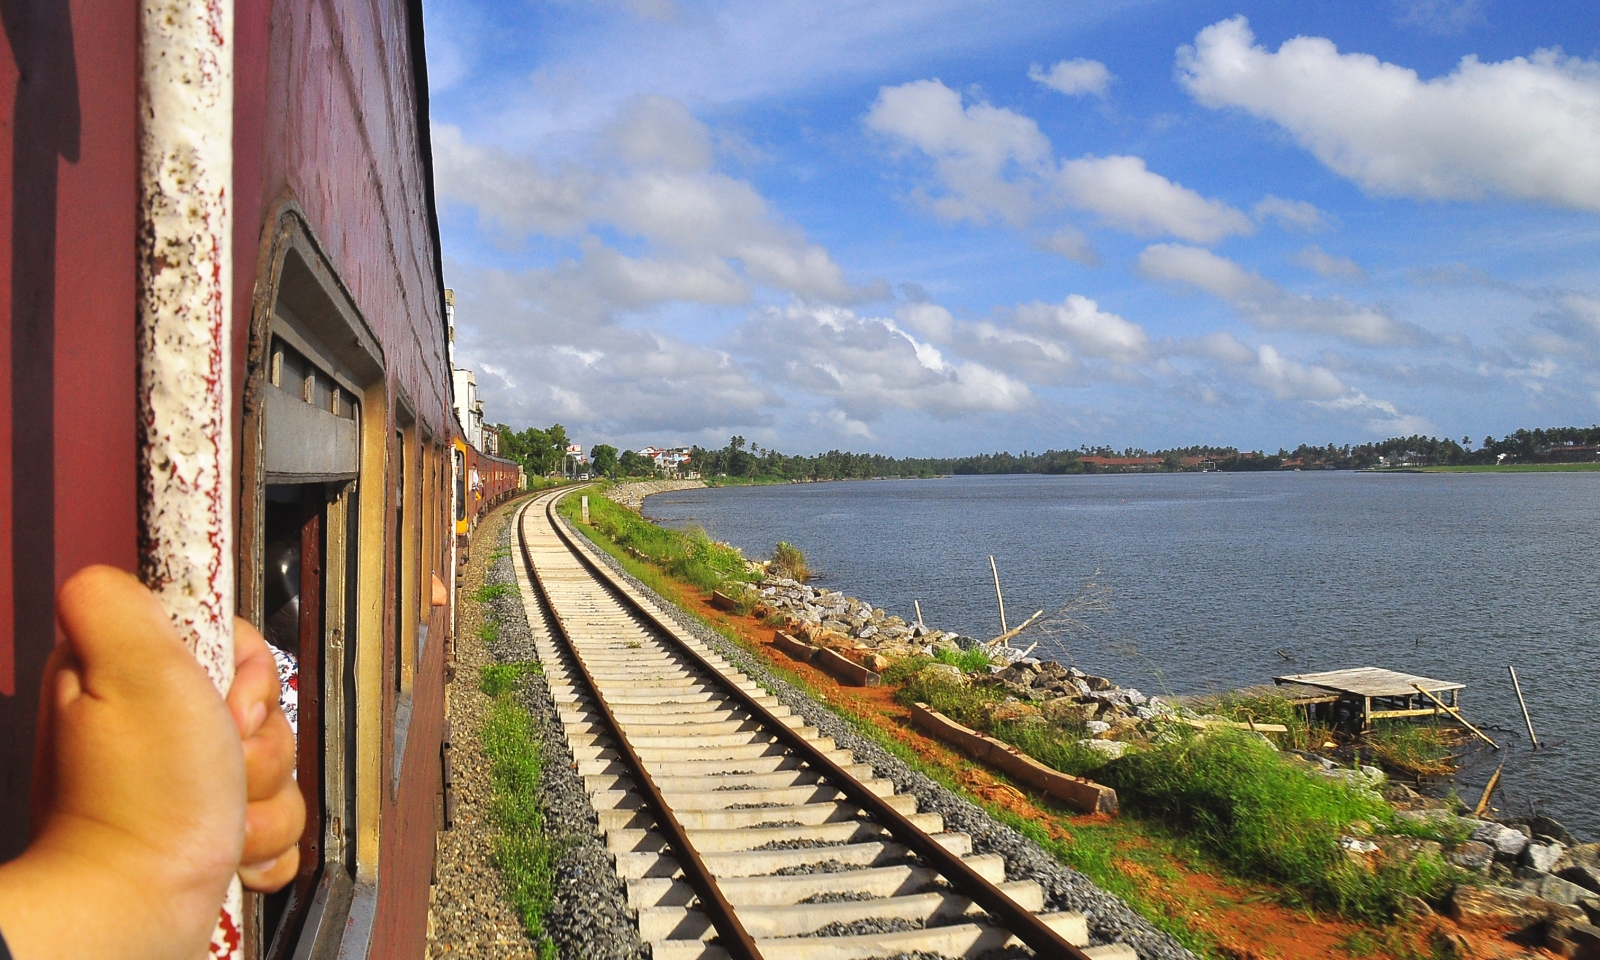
<point x="348" y="472"/>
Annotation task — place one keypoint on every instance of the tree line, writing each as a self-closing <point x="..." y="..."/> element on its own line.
<point x="541" y="452"/>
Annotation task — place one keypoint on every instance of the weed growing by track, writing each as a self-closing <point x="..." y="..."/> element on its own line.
<point x="492" y="591"/>
<point x="685" y="555"/>
<point x="522" y="851"/>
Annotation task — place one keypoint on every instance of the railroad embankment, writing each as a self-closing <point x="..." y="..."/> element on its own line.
<point x="1239" y="841"/>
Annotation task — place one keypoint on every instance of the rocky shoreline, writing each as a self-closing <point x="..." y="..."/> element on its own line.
<point x="1534" y="877"/>
<point x="631" y="495"/>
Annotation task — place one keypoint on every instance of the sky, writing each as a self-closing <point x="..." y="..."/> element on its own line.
<point x="938" y="228"/>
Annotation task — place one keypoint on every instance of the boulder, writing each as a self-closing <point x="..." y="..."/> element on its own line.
<point x="1579" y="855"/>
<point x="876" y="662"/>
<point x="1111" y="748"/>
<point x="1473" y="855"/>
<point x="1583" y="875"/>
<point x="1069" y="710"/>
<point x="1011" y="711"/>
<point x="1556" y="890"/>
<point x="1541" y="857"/>
<point x="1097" y="683"/>
<point x="1507" y="842"/>
<point x="1549" y="827"/>
<point x="941" y="674"/>
<point x="1577" y="941"/>
<point x="1097" y="727"/>
<point x="1504" y="908"/>
<point x="1407" y="849"/>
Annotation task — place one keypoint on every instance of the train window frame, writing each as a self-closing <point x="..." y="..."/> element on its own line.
<point x="299" y="302"/>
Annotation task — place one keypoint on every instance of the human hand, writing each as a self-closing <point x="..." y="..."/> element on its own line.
<point x="276" y="811"/>
<point x="139" y="805"/>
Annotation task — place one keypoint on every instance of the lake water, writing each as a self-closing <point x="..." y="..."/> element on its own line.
<point x="1224" y="580"/>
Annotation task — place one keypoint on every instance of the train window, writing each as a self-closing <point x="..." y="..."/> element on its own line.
<point x="461" y="486"/>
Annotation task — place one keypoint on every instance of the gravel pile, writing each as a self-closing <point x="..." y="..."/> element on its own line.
<point x="1110" y="920"/>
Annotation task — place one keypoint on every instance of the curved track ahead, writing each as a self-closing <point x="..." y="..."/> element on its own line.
<point x="740" y="831"/>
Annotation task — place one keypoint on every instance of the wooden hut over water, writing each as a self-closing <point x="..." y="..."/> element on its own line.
<point x="1364" y="694"/>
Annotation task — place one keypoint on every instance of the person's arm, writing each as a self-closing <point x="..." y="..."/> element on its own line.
<point x="141" y="786"/>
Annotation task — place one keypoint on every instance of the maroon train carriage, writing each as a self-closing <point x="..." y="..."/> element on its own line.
<point x="336" y="501"/>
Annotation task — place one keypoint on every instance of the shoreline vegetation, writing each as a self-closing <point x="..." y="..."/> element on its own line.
<point x="1302" y="827"/>
<point x="1555" y="449"/>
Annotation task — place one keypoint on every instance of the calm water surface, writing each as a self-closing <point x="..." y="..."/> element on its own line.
<point x="1221" y="581"/>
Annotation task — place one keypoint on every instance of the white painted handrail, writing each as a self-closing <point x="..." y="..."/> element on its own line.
<point x="185" y="362"/>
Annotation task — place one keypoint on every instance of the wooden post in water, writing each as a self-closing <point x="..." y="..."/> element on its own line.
<point x="918" y="605"/>
<point x="1525" y="718"/>
<point x="997" y="595"/>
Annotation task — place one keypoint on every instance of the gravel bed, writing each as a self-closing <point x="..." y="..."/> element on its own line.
<point x="842" y="896"/>
<point x="589" y="917"/>
<point x="1110" y="920"/>
<point x="469" y="916"/>
<point x="832" y="866"/>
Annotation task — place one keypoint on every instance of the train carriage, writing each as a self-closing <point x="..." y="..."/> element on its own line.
<point x="345" y="448"/>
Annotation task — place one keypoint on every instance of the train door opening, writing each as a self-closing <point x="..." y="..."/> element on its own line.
<point x="315" y="381"/>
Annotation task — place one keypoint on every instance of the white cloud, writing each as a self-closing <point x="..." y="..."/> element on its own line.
<point x="1445" y="18"/>
<point x="869" y="365"/>
<point x="1329" y="265"/>
<point x="514" y="192"/>
<point x="1527" y="128"/>
<point x="1266" y="305"/>
<point x="652" y="180"/>
<point x="1074" y="77"/>
<point x="1080" y="322"/>
<point x="993" y="163"/>
<point x="1290" y="381"/>
<point x="1072" y="243"/>
<point x="1293" y="214"/>
<point x="976" y="149"/>
<point x="1127" y="195"/>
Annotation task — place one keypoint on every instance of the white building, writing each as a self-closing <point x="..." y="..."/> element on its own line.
<point x="469" y="409"/>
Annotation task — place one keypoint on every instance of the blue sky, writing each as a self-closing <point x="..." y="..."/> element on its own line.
<point x="943" y="228"/>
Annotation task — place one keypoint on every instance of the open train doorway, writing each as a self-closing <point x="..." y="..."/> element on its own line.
<point x="315" y="374"/>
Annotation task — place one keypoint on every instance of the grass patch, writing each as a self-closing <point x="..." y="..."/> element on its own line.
<point x="788" y="561"/>
<point x="1417" y="749"/>
<point x="686" y="555"/>
<point x="523" y="852"/>
<point x="1266" y="818"/>
<point x="492" y="591"/>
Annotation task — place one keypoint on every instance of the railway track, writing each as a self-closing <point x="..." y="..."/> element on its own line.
<point x="740" y="831"/>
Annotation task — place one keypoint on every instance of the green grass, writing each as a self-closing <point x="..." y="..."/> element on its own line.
<point x="492" y="591"/>
<point x="523" y="852"/>
<point x="686" y="555"/>
<point x="1269" y="819"/>
<point x="788" y="561"/>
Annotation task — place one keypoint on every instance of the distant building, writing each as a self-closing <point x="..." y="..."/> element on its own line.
<point x="469" y="409"/>
<point x="491" y="440"/>
<point x="575" y="463"/>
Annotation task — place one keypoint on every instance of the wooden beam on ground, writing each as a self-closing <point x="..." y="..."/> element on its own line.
<point x="1235" y="724"/>
<point x="1457" y="714"/>
<point x="1084" y="795"/>
<point x="1416" y="712"/>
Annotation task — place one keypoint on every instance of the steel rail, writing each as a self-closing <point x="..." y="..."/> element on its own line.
<point x="732" y="935"/>
<point x="1010" y="915"/>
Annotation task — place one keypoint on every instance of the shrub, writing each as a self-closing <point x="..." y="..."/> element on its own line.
<point x="973" y="660"/>
<point x="492" y="591"/>
<point x="788" y="561"/>
<point x="498" y="679"/>
<point x="1264" y="817"/>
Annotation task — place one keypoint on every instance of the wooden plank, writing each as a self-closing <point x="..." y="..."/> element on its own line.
<point x="1084" y="795"/>
<point x="1394" y="714"/>
<point x="844" y="670"/>
<point x="1457" y="714"/>
<point x="722" y="601"/>
<point x="794" y="649"/>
